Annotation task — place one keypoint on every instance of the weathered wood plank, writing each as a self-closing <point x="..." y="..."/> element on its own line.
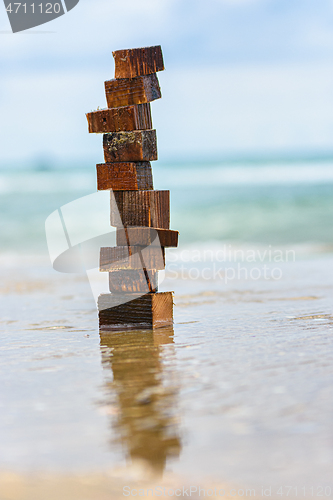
<point x="137" y="117"/>
<point x="137" y="145"/>
<point x="133" y="280"/>
<point x="149" y="311"/>
<point x="140" y="208"/>
<point x="125" y="92"/>
<point x="146" y="236"/>
<point x="124" y="176"/>
<point x="113" y="258"/>
<point x="130" y="63"/>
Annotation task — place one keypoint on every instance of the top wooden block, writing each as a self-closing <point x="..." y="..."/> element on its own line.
<point x="130" y="63"/>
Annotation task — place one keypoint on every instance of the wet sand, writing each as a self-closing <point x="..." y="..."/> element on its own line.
<point x="239" y="392"/>
<point x="104" y="487"/>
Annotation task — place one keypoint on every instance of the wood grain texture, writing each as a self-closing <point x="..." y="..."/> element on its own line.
<point x="145" y="236"/>
<point x="137" y="117"/>
<point x="113" y="258"/>
<point x="125" y="92"/>
<point x="130" y="63"/>
<point x="130" y="280"/>
<point x="137" y="145"/>
<point x="124" y="176"/>
<point x="149" y="311"/>
<point x="140" y="208"/>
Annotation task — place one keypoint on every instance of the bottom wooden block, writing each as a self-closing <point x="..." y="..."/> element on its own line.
<point x="133" y="280"/>
<point x="133" y="311"/>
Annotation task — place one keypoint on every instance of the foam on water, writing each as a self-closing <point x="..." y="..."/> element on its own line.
<point x="244" y="174"/>
<point x="176" y="175"/>
<point x="46" y="182"/>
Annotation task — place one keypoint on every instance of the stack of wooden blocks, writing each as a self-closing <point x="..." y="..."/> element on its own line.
<point x="140" y="214"/>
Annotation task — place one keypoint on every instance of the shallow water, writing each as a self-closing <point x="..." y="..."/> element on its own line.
<point x="239" y="391"/>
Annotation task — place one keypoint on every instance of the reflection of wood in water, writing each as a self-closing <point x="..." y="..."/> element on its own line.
<point x="147" y="424"/>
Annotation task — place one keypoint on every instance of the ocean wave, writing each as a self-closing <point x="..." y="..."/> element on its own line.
<point x="171" y="176"/>
<point x="222" y="175"/>
<point x="47" y="182"/>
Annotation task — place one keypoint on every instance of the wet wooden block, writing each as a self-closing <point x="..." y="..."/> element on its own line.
<point x="137" y="145"/>
<point x="136" y="62"/>
<point x="149" y="311"/>
<point x="137" y="117"/>
<point x="146" y="236"/>
<point x="125" y="92"/>
<point x="140" y="208"/>
<point x="124" y="176"/>
<point x="113" y="258"/>
<point x="130" y="280"/>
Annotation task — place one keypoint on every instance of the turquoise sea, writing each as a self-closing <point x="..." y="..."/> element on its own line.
<point x="272" y="202"/>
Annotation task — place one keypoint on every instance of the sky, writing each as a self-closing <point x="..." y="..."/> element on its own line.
<point x="243" y="77"/>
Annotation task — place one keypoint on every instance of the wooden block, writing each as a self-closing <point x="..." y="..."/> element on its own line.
<point x="112" y="258"/>
<point x="149" y="311"/>
<point x="137" y="62"/>
<point x="124" y="176"/>
<point x="125" y="92"/>
<point x="140" y="208"/>
<point x="137" y="145"/>
<point x="131" y="280"/>
<point x="146" y="236"/>
<point x="137" y="117"/>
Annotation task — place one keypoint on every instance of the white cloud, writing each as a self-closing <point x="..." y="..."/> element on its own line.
<point x="247" y="108"/>
<point x="49" y="81"/>
<point x="236" y="3"/>
<point x="87" y="30"/>
<point x="202" y="113"/>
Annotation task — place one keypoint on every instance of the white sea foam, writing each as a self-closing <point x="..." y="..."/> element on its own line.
<point x="286" y="203"/>
<point x="224" y="175"/>
<point x="205" y="175"/>
<point x="47" y="182"/>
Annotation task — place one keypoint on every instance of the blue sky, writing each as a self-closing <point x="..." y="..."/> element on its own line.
<point x="242" y="77"/>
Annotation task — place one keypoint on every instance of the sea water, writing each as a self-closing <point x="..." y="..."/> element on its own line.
<point x="239" y="392"/>
<point x="274" y="203"/>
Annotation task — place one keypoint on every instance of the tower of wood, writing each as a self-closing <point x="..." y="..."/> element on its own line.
<point x="140" y="214"/>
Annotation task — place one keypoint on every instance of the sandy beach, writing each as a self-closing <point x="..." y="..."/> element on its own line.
<point x="239" y="392"/>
